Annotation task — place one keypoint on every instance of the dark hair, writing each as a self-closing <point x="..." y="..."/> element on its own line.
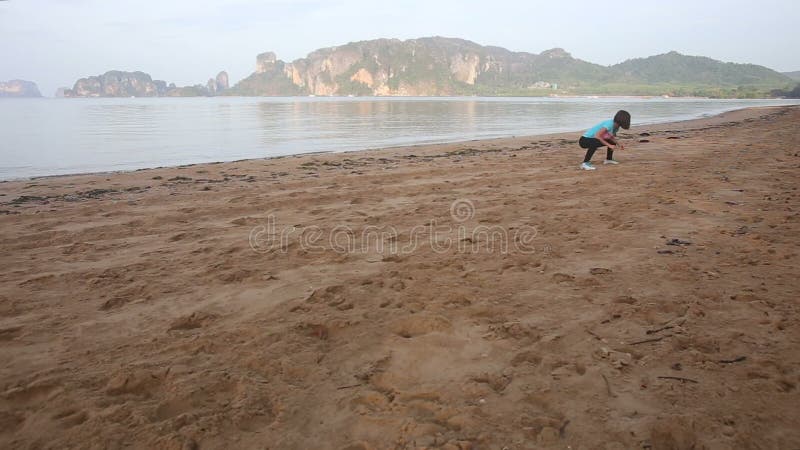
<point x="623" y="118"/>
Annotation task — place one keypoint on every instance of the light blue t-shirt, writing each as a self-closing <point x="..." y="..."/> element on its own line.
<point x="607" y="124"/>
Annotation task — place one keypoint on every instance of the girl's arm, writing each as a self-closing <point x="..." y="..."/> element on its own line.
<point x="617" y="142"/>
<point x="599" y="135"/>
<point x="616" y="139"/>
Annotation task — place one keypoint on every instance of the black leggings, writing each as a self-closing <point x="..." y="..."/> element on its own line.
<point x="592" y="144"/>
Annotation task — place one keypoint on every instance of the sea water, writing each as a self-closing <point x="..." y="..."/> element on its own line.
<point x="40" y="137"/>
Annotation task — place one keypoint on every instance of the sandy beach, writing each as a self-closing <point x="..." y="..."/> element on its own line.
<point x="479" y="295"/>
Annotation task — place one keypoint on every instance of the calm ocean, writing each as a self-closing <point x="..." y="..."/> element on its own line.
<point x="61" y="136"/>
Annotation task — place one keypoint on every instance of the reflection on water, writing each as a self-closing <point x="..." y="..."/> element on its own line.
<point x="56" y="136"/>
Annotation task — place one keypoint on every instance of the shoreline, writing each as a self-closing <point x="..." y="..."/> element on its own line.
<point x="392" y="148"/>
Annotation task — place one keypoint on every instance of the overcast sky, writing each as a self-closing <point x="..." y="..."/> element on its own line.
<point x="55" y="42"/>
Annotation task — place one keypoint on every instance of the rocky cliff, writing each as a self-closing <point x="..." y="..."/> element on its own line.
<point x="19" y="88"/>
<point x="425" y="67"/>
<point x="438" y="66"/>
<point x="117" y="83"/>
<point x="445" y="66"/>
<point x="222" y="81"/>
<point x="216" y="86"/>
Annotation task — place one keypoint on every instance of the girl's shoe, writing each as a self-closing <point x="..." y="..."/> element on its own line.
<point x="587" y="166"/>
<point x="610" y="161"/>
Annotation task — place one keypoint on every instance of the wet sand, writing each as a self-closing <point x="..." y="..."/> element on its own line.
<point x="300" y="302"/>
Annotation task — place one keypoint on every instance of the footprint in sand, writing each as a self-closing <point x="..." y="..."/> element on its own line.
<point x="498" y="381"/>
<point x="115" y="302"/>
<point x="417" y="325"/>
<point x="71" y="417"/>
<point x="139" y="382"/>
<point x="369" y="403"/>
<point x="9" y="333"/>
<point x="36" y="392"/>
<point x="514" y="330"/>
<point x="563" y="278"/>
<point x="673" y="432"/>
<point x="197" y="319"/>
<point x="527" y="357"/>
<point x="331" y="295"/>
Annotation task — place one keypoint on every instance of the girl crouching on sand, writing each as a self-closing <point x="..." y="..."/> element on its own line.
<point x="604" y="134"/>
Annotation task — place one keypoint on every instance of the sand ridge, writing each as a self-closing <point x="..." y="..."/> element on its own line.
<point x="647" y="305"/>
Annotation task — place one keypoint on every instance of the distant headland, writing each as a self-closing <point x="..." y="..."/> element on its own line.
<point x="439" y="66"/>
<point x="19" y="88"/>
